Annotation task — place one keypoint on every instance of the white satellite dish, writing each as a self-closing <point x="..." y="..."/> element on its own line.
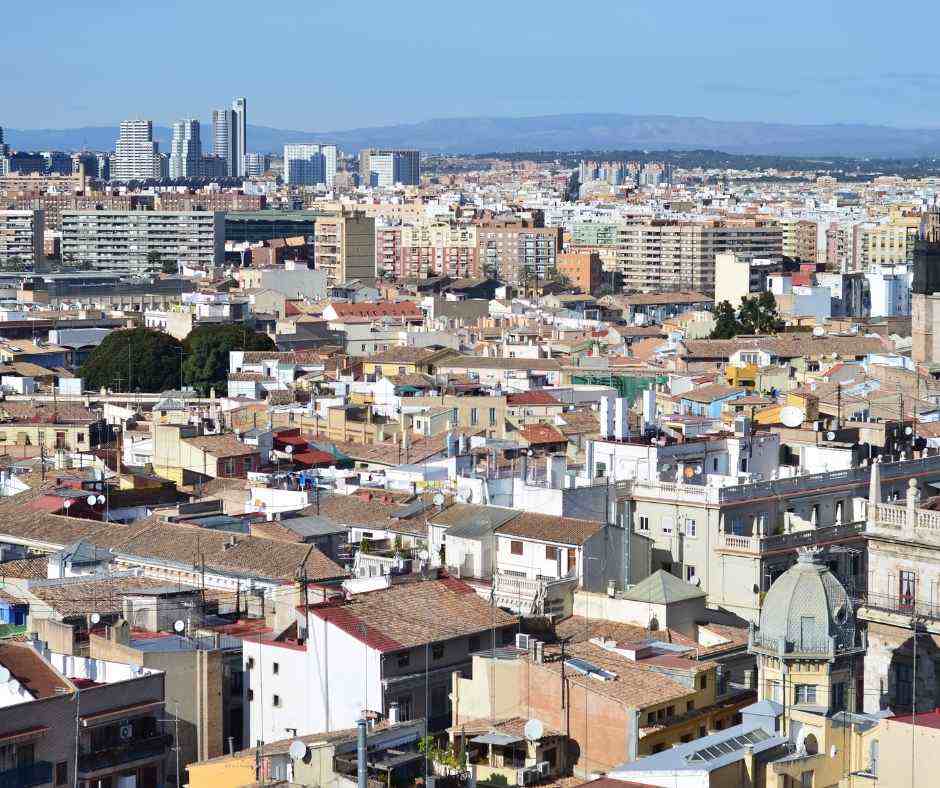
<point x="95" y="618"/>
<point x="908" y="430"/>
<point x="101" y="499"/>
<point x="830" y="436"/>
<point x="290" y="450"/>
<point x="698" y="468"/>
<point x="424" y="555"/>
<point x="179" y="625"/>
<point x="819" y="331"/>
<point x="4" y="675"/>
<point x="792" y="416"/>
<point x="297" y="750"/>
<point x="533" y="730"/>
<point x="91" y="500"/>
<point x="438" y="499"/>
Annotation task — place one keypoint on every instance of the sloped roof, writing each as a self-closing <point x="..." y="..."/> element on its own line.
<point x="662" y="588"/>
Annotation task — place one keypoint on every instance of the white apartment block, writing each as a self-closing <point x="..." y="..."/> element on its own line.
<point x="21" y="236"/>
<point x="309" y="164"/>
<point x="137" y="156"/>
<point x="125" y="240"/>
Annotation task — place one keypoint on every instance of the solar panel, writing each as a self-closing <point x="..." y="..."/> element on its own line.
<point x="586" y="668"/>
<point x="731" y="745"/>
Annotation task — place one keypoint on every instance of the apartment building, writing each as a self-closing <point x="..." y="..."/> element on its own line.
<point x="344" y="247"/>
<point x="137" y="156"/>
<point x="517" y="251"/>
<point x="671" y="255"/>
<point x="439" y="248"/>
<point x="583" y="270"/>
<point x="21" y="237"/>
<point x="309" y="164"/>
<point x="133" y="239"/>
<point x="388" y="251"/>
<point x="386" y="168"/>
<point x="880" y="244"/>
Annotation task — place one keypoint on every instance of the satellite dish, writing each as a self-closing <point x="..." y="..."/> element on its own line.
<point x="438" y="499"/>
<point x="908" y="430"/>
<point x="290" y="450"/>
<point x="68" y="503"/>
<point x="298" y="750"/>
<point x="4" y="675"/>
<point x="830" y="436"/>
<point x="698" y="468"/>
<point x="91" y="500"/>
<point x="819" y="331"/>
<point x="533" y="730"/>
<point x="424" y="555"/>
<point x="95" y="618"/>
<point x="179" y="626"/>
<point x="792" y="416"/>
<point x="101" y="499"/>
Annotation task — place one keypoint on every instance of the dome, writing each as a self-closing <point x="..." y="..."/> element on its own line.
<point x="807" y="610"/>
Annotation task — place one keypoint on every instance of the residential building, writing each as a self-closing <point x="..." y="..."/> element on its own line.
<point x="583" y="270"/>
<point x="309" y="164"/>
<point x="517" y="251"/>
<point x="225" y="139"/>
<point x="663" y="255"/>
<point x="256" y="164"/>
<point x="344" y="247"/>
<point x="125" y="240"/>
<point x="136" y="156"/>
<point x="181" y="454"/>
<point x="21" y="238"/>
<point x="438" y="248"/>
<point x="185" y="150"/>
<point x="240" y="125"/>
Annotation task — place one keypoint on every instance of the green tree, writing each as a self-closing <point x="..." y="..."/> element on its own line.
<point x="154" y="260"/>
<point x="758" y="315"/>
<point x="207" y="348"/>
<point x="726" y="322"/>
<point x="169" y="266"/>
<point x="138" y="358"/>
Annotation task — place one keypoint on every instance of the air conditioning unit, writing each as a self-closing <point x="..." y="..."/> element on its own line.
<point x="522" y="642"/>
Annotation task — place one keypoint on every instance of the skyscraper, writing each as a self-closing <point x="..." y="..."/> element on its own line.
<point x="137" y="156"/>
<point x="309" y="164"/>
<point x="185" y="149"/>
<point x="385" y="168"/>
<point x="239" y="107"/>
<point x="223" y="138"/>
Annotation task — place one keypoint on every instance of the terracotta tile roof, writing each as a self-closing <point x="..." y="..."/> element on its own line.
<point x="97" y="596"/>
<point x="32" y="671"/>
<point x="712" y="393"/>
<point x="580" y="422"/>
<point x="785" y="346"/>
<point x="549" y="528"/>
<point x="541" y="433"/>
<point x="406" y="309"/>
<point x="221" y="445"/>
<point x="44" y="413"/>
<point x="657" y="299"/>
<point x="25" y="568"/>
<point x="413" y="614"/>
<point x="401" y="355"/>
<point x="533" y="397"/>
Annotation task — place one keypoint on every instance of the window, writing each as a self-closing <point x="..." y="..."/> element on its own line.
<point x="492" y="417"/>
<point x="404" y="659"/>
<point x="251" y="695"/>
<point x="690" y="705"/>
<point x="551" y="553"/>
<point x="474" y="643"/>
<point x="873" y="758"/>
<point x="806" y="780"/>
<point x="715" y="464"/>
<point x="667" y="525"/>
<point x="689" y="573"/>
<point x="276" y="701"/>
<point x="437" y="651"/>
<point x="515" y="548"/>
<point x="907" y="590"/>
<point x="62" y="773"/>
<point x="690" y="527"/>
<point x="251" y="663"/>
<point x="904" y="684"/>
<point x="600" y="470"/>
<point x="703" y="681"/>
<point x="670" y="711"/>
<point x="838" y="697"/>
<point x="806" y="693"/>
<point x="701" y="731"/>
<point x="276" y="668"/>
<point x="644" y="523"/>
<point x="474" y="416"/>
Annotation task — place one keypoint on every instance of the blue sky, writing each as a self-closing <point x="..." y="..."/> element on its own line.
<point x="324" y="65"/>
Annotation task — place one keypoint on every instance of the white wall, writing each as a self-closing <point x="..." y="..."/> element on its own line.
<point x="291" y="684"/>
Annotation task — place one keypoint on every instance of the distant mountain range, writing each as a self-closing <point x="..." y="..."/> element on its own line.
<point x="554" y="132"/>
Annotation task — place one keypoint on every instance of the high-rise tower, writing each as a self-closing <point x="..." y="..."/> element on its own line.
<point x="185" y="149"/>
<point x="137" y="156"/>
<point x="223" y="138"/>
<point x="925" y="292"/>
<point x="239" y="149"/>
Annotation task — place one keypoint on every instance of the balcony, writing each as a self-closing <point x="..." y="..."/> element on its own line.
<point x="36" y="773"/>
<point x="761" y="545"/>
<point x="906" y="605"/>
<point x="124" y="753"/>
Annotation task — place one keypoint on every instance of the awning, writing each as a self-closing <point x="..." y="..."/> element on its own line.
<point x="24" y="735"/>
<point x="119" y="714"/>
<point x="499" y="739"/>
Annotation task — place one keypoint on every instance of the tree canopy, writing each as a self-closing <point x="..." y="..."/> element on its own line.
<point x="755" y="315"/>
<point x="138" y="358"/>
<point x="207" y="347"/>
